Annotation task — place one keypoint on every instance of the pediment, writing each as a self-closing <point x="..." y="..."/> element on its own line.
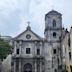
<point x="28" y="35"/>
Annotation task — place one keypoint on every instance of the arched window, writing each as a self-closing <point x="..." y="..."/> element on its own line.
<point x="69" y="55"/>
<point x="54" y="23"/>
<point x="54" y="51"/>
<point x="54" y="34"/>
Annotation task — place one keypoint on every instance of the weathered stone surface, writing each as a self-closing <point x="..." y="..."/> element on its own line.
<point x="6" y="64"/>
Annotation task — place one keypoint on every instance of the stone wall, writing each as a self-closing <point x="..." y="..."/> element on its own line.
<point x="6" y="64"/>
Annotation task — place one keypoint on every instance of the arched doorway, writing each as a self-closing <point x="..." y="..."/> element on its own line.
<point x="27" y="67"/>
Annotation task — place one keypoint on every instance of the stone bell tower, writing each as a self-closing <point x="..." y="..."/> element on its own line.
<point x="53" y="26"/>
<point x="53" y="33"/>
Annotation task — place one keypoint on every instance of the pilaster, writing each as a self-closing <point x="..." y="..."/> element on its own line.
<point x="35" y="66"/>
<point x="14" y="66"/>
<point x="20" y="43"/>
<point x="35" y="48"/>
<point x="40" y="66"/>
<point x="15" y="45"/>
<point x="20" y="65"/>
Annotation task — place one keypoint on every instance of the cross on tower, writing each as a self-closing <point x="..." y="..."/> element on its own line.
<point x="28" y="27"/>
<point x="28" y="23"/>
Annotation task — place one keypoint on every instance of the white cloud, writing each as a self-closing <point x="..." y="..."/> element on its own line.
<point x="17" y="12"/>
<point x="6" y="7"/>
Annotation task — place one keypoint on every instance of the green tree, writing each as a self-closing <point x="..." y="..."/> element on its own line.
<point x="5" y="49"/>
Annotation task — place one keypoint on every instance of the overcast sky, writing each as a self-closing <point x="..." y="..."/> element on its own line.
<point x="14" y="15"/>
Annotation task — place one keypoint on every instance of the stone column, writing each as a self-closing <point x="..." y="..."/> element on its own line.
<point x="35" y="66"/>
<point x="41" y="53"/>
<point x="15" y="47"/>
<point x="14" y="66"/>
<point x="20" y="43"/>
<point x="20" y="65"/>
<point x="40" y="66"/>
<point x="35" y="48"/>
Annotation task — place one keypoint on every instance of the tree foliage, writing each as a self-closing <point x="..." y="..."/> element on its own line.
<point x="5" y="49"/>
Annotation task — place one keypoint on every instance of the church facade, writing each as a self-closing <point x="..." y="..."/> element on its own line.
<point x="32" y="53"/>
